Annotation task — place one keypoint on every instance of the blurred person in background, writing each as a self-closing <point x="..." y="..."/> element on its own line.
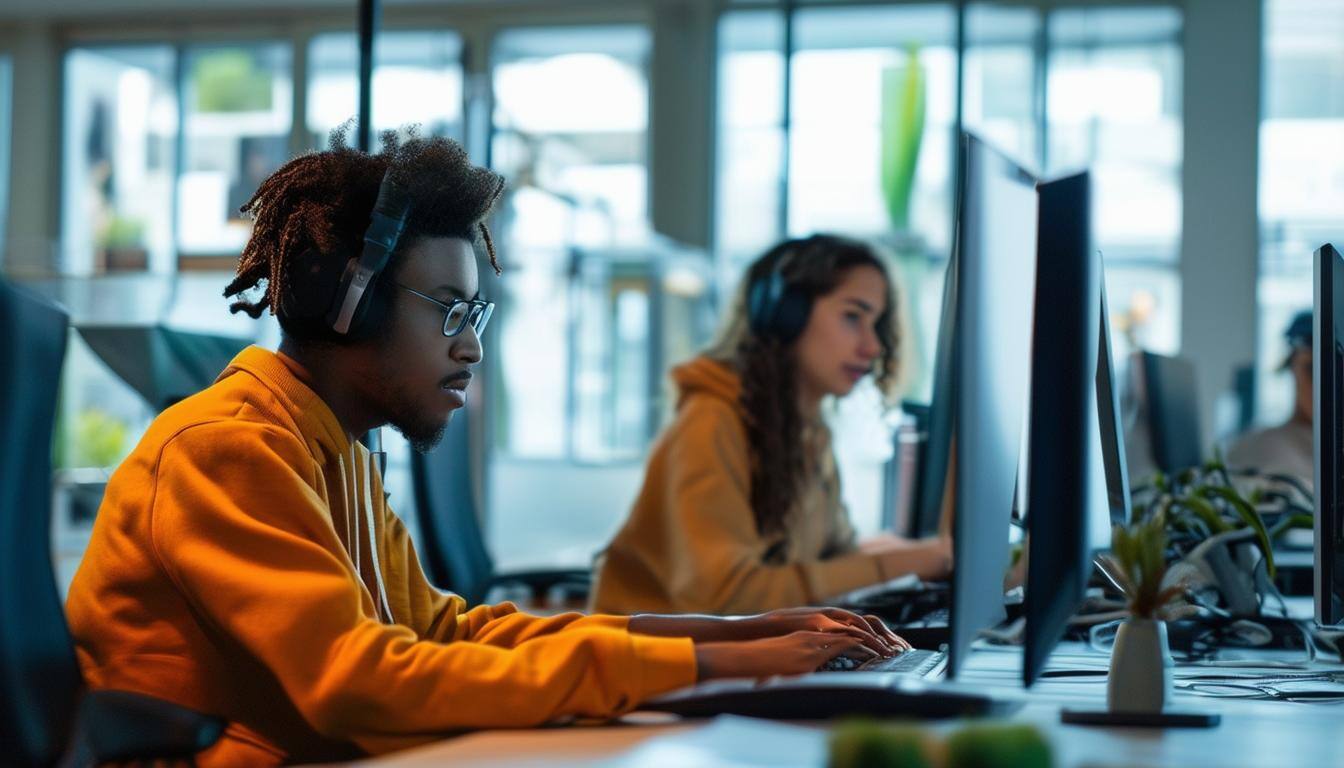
<point x="740" y="510"/>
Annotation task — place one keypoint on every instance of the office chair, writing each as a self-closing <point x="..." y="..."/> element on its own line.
<point x="1173" y="412"/>
<point x="46" y="714"/>
<point x="456" y="558"/>
<point x="903" y="475"/>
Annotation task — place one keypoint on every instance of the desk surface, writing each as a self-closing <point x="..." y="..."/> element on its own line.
<point x="1254" y="734"/>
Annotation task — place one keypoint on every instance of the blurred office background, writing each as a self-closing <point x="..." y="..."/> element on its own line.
<point x="653" y="148"/>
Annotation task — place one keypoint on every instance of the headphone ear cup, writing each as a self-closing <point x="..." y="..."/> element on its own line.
<point x="758" y="304"/>
<point x="791" y="313"/>
<point x="371" y="311"/>
<point x="310" y="288"/>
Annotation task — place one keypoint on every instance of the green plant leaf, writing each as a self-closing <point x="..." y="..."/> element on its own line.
<point x="903" y="105"/>
<point x="1291" y="521"/>
<point x="1252" y="520"/>
<point x="1206" y="513"/>
<point x="1160" y="481"/>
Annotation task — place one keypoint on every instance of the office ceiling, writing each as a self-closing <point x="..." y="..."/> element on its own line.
<point x="73" y="10"/>
<point x="153" y="10"/>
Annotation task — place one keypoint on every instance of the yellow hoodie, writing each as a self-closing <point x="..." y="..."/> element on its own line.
<point x="691" y="544"/>
<point x="231" y="571"/>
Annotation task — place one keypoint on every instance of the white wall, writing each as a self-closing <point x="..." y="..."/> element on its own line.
<point x="1220" y="242"/>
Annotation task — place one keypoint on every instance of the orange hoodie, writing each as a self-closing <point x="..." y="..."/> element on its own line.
<point x="230" y="571"/>
<point x="691" y="544"/>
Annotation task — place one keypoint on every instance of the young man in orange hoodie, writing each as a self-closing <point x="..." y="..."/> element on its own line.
<point x="245" y="564"/>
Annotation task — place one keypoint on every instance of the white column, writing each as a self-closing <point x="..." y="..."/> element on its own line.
<point x="1220" y="241"/>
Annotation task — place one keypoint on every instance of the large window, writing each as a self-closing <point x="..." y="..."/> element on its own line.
<point x="1002" y="95"/>
<point x="417" y="79"/>
<point x="1114" y="105"/>
<point x="570" y="126"/>
<point x="118" y="159"/>
<point x="1301" y="175"/>
<point x="237" y="107"/>
<point x="750" y="136"/>
<point x="862" y="145"/>
<point x="841" y="118"/>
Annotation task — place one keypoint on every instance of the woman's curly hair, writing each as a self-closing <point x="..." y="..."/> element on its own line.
<point x="768" y="368"/>
<point x="309" y="219"/>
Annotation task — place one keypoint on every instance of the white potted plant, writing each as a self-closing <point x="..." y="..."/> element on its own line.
<point x="1140" y="675"/>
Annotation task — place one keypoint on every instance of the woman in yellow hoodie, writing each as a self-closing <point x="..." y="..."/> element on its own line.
<point x="245" y="564"/>
<point x="740" y="509"/>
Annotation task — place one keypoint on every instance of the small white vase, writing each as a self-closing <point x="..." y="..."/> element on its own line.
<point x="1140" y="678"/>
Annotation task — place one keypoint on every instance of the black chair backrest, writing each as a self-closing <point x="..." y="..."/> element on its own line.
<point x="39" y="679"/>
<point x="910" y="444"/>
<point x="455" y="558"/>
<point x="1173" y="412"/>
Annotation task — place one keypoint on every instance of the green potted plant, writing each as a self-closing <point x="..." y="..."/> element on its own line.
<point x="1219" y="530"/>
<point x="1140" y="674"/>
<point x="121" y="244"/>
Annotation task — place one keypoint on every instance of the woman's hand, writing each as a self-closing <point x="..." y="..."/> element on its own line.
<point x="793" y="654"/>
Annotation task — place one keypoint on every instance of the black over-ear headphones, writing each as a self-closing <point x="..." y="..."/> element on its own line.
<point x="348" y="313"/>
<point x="777" y="308"/>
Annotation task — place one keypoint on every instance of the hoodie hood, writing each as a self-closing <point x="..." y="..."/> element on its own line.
<point x="309" y="413"/>
<point x="314" y="421"/>
<point x="708" y="377"/>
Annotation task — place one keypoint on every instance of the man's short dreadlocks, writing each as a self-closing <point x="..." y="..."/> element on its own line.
<point x="309" y="219"/>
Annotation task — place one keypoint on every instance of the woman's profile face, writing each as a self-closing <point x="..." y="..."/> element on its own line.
<point x="840" y="344"/>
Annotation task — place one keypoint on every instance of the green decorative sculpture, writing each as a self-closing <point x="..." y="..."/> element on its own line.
<point x="903" y="105"/>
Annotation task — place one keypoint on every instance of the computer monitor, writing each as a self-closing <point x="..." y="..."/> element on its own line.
<point x="1327" y="431"/>
<point x="1173" y="412"/>
<point x="1110" y="429"/>
<point x="1063" y="487"/>
<point x="995" y="252"/>
<point x="928" y="506"/>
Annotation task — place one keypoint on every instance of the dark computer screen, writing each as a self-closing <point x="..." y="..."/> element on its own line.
<point x="1327" y="395"/>
<point x="1066" y="488"/>
<point x="1173" y="412"/>
<point x="995" y="253"/>
<point x="1110" y="428"/>
<point x="928" y="505"/>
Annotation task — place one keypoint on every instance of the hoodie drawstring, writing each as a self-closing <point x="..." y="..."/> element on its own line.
<point x="353" y="546"/>
<point x="373" y="547"/>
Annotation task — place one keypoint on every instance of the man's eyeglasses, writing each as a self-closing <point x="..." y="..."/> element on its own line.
<point x="459" y="312"/>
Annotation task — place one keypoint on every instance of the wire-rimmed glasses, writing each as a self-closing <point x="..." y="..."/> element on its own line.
<point x="459" y="312"/>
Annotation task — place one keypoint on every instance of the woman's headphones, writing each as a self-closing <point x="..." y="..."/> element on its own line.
<point x="776" y="308"/>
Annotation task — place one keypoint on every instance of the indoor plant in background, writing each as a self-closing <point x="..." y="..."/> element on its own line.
<point x="903" y="100"/>
<point x="1219" y="531"/>
<point x="1140" y="674"/>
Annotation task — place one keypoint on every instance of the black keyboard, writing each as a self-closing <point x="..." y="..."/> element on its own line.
<point x="918" y="663"/>
<point x="811" y="697"/>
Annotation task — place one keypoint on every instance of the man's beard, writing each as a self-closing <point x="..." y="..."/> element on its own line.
<point x="423" y="437"/>
<point x="423" y="432"/>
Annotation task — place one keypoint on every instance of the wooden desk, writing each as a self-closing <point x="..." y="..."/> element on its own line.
<point x="1254" y="734"/>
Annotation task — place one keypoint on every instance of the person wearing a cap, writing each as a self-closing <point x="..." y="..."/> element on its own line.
<point x="1285" y="449"/>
